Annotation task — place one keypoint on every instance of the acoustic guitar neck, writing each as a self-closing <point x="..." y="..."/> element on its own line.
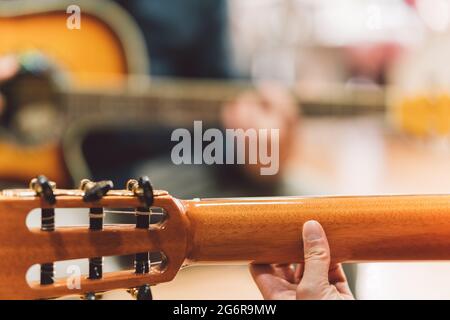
<point x="199" y="231"/>
<point x="176" y="102"/>
<point x="359" y="229"/>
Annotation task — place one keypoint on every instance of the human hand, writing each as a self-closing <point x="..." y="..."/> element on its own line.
<point x="269" y="107"/>
<point x="315" y="279"/>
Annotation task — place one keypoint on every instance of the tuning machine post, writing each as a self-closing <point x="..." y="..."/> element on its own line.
<point x="44" y="188"/>
<point x="95" y="191"/>
<point x="141" y="293"/>
<point x="93" y="296"/>
<point x="143" y="189"/>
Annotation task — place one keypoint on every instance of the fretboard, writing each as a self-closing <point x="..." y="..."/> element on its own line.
<point x="179" y="102"/>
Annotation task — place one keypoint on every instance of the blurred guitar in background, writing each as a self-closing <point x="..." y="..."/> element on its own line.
<point x="72" y="82"/>
<point x="107" y="47"/>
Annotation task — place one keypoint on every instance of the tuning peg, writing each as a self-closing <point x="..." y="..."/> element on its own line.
<point x="143" y="292"/>
<point x="147" y="190"/>
<point x="94" y="191"/>
<point x="143" y="189"/>
<point x="92" y="296"/>
<point x="44" y="188"/>
<point x="89" y="296"/>
<point x="132" y="185"/>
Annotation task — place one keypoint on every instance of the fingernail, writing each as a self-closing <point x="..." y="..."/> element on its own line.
<point x="312" y="231"/>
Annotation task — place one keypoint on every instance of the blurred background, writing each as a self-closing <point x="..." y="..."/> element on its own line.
<point x="360" y="90"/>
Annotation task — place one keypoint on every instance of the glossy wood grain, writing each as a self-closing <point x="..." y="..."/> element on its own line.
<point x="20" y="248"/>
<point x="360" y="229"/>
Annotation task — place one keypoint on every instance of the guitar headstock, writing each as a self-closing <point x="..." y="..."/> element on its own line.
<point x="22" y="247"/>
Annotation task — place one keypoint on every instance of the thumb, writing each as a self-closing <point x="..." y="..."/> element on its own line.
<point x="317" y="256"/>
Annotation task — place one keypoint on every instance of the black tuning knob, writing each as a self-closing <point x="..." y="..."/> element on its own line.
<point x="147" y="190"/>
<point x="94" y="191"/>
<point x="44" y="189"/>
<point x="144" y="293"/>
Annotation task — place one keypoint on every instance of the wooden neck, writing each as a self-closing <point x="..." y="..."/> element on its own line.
<point x="180" y="102"/>
<point x="167" y="103"/>
<point x="359" y="229"/>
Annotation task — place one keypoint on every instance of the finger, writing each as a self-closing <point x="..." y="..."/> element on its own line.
<point x="269" y="284"/>
<point x="264" y="279"/>
<point x="343" y="288"/>
<point x="336" y="274"/>
<point x="241" y="113"/>
<point x="317" y="254"/>
<point x="227" y="114"/>
<point x="338" y="278"/>
<point x="275" y="271"/>
<point x="299" y="272"/>
<point x="285" y="271"/>
<point x="277" y="99"/>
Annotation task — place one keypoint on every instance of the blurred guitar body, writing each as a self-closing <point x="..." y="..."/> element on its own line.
<point x="107" y="47"/>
